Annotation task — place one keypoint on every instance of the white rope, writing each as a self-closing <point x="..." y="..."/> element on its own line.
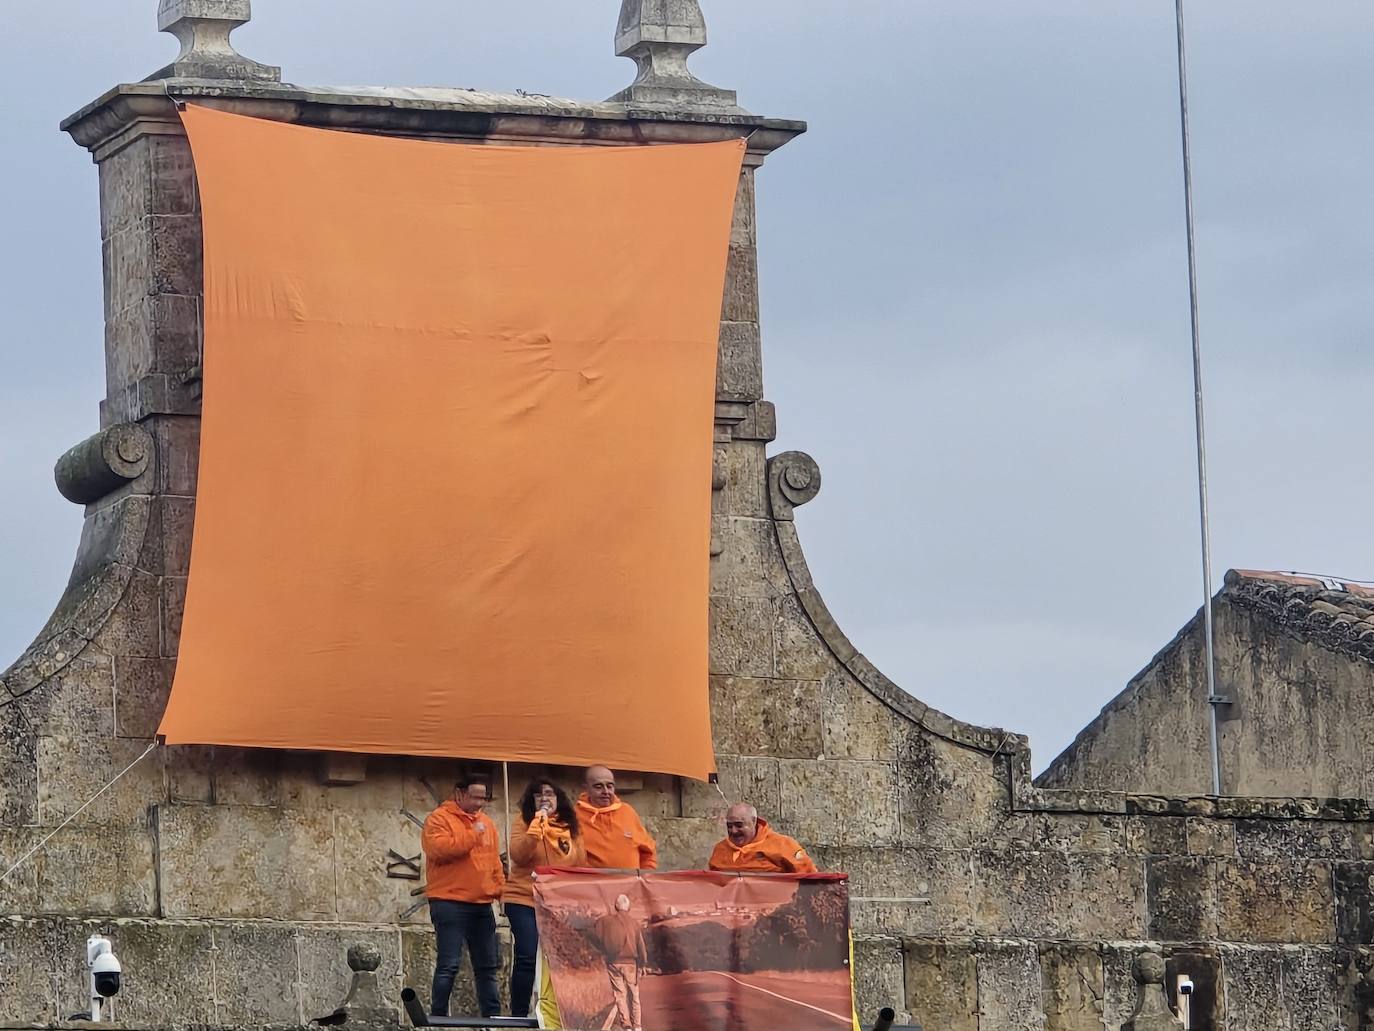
<point x="75" y="813"/>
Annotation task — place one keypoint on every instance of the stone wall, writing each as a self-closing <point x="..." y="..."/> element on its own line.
<point x="231" y="880"/>
<point x="1301" y="720"/>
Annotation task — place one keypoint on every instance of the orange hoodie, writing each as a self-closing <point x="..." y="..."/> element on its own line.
<point x="462" y="856"/>
<point x="769" y="852"/>
<point x="614" y="837"/>
<point x="545" y="842"/>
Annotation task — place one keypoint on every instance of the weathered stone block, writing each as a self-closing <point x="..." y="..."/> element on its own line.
<point x="941" y="985"/>
<point x="135" y="625"/>
<point x="102" y="869"/>
<point x="78" y="697"/>
<point x="1156" y="835"/>
<point x="1009" y="989"/>
<point x="1274" y="901"/>
<point x="949" y="795"/>
<point x="1290" y="989"/>
<point x="1071" y="987"/>
<point x="684" y="843"/>
<point x="878" y="978"/>
<point x="1119" y="989"/>
<point x="1354" y="892"/>
<point x="739" y="370"/>
<point x="160" y="333"/>
<point x="741" y="300"/>
<point x="361" y="840"/>
<point x="1080" y="832"/>
<point x="1182" y="898"/>
<point x="1207" y="837"/>
<point x="1058" y="895"/>
<point x="323" y="954"/>
<point x="741" y="636"/>
<point x="73" y="767"/>
<point x="126" y="182"/>
<point x="142" y="686"/>
<point x="754" y="780"/>
<point x="861" y="801"/>
<point x="745" y="491"/>
<point x="1293" y="839"/>
<point x="749" y="564"/>
<point x="257" y="974"/>
<point x="767" y="717"/>
<point x="178" y="453"/>
<point x="189" y="773"/>
<point x="1355" y="989"/>
<point x="904" y="891"/>
<point x="169" y="972"/>
<point x="173" y="608"/>
<point x="800" y="652"/>
<point x="27" y="955"/>
<point x="743" y="222"/>
<point x="856" y="725"/>
<point x="245" y="861"/>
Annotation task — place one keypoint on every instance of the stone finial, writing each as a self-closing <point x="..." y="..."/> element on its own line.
<point x="203" y="27"/>
<point x="1152" y="1012"/>
<point x="659" y="36"/>
<point x="364" y="1003"/>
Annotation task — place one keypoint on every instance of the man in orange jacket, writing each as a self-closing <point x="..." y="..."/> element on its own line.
<point x="463" y="878"/>
<point x="752" y="846"/>
<point x="611" y="831"/>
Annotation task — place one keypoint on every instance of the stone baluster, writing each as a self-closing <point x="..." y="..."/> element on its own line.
<point x="659" y="36"/>
<point x="1152" y="1012"/>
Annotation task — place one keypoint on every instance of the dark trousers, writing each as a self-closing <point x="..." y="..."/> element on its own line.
<point x="526" y="931"/>
<point x="454" y="924"/>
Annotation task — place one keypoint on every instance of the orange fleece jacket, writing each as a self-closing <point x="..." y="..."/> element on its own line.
<point x="462" y="856"/>
<point x="614" y="837"/>
<point x="544" y="842"/>
<point x="769" y="852"/>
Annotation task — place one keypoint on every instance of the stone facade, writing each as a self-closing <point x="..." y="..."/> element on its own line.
<point x="1295" y="656"/>
<point x="232" y="881"/>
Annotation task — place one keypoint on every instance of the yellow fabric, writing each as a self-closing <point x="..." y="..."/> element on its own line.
<point x="454" y="492"/>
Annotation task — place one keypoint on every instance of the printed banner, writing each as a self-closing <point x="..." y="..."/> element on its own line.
<point x="693" y="951"/>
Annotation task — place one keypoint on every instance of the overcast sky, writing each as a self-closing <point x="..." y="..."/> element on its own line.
<point x="974" y="296"/>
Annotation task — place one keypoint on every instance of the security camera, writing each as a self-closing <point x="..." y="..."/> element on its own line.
<point x="1185" y="986"/>
<point x="105" y="973"/>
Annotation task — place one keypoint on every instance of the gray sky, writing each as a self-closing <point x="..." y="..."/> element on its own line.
<point x="974" y="295"/>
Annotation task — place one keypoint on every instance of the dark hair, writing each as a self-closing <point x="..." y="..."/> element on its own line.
<point x="566" y="812"/>
<point x="468" y="780"/>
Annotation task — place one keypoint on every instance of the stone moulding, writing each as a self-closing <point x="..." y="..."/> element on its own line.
<point x="107" y="557"/>
<point x="794" y="478"/>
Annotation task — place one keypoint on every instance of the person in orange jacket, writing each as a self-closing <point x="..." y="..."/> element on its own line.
<point x="545" y="834"/>
<point x="463" y="877"/>
<point x="614" y="837"/>
<point x="751" y="846"/>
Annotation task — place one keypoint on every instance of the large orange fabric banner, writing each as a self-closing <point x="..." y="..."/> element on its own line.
<point x="454" y="493"/>
<point x="694" y="951"/>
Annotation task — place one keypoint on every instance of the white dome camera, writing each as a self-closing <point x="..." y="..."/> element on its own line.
<point x="105" y="973"/>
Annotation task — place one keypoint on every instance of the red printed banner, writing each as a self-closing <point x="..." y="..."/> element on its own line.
<point x="693" y="951"/>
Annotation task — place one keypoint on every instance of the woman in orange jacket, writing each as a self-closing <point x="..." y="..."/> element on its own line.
<point x="547" y="834"/>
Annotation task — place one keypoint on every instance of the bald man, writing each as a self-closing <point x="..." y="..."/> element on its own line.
<point x="614" y="837"/>
<point x="751" y="846"/>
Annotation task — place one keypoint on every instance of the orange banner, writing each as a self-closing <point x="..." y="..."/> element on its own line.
<point x="454" y="492"/>
<point x="695" y="951"/>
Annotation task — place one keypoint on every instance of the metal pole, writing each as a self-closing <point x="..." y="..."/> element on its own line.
<point x="505" y="801"/>
<point x="1212" y="699"/>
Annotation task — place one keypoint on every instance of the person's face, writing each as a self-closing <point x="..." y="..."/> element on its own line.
<point x="740" y="828"/>
<point x="472" y="799"/>
<point x="600" y="787"/>
<point x="546" y="798"/>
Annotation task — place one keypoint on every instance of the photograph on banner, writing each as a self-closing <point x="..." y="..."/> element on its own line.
<point x="696" y="951"/>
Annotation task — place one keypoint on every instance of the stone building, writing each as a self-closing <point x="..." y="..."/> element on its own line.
<point x="232" y="881"/>
<point x="1293" y="661"/>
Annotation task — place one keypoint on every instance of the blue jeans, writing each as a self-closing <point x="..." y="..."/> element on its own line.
<point x="454" y="924"/>
<point x="526" y="931"/>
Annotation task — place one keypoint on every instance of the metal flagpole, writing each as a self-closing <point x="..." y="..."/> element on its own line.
<point x="1213" y="700"/>
<point x="505" y="800"/>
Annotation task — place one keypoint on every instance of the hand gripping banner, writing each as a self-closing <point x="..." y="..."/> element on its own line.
<point x="693" y="951"/>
